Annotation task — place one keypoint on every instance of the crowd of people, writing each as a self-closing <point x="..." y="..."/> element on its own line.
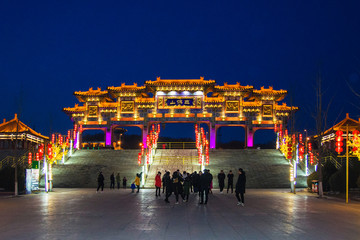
<point x="181" y="184"/>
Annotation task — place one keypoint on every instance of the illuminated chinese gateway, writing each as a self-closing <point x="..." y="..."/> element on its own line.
<point x="180" y="101"/>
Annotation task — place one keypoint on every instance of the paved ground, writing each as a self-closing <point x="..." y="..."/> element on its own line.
<point x="268" y="214"/>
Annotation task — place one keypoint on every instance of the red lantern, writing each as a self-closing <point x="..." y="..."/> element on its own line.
<point x="339" y="142"/>
<point x="139" y="158"/>
<point x="53" y="138"/>
<point x="311" y="158"/>
<point x="50" y="153"/>
<point x="30" y="158"/>
<point x="37" y="156"/>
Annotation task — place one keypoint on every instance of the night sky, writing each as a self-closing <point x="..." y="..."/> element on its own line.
<point x="49" y="49"/>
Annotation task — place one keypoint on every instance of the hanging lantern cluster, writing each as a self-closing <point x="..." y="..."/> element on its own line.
<point x="50" y="151"/>
<point x="311" y="154"/>
<point x="30" y="158"/>
<point x="301" y="148"/>
<point x="339" y="142"/>
<point x="151" y="142"/>
<point x="202" y="145"/>
<point x="41" y="150"/>
<point x="289" y="152"/>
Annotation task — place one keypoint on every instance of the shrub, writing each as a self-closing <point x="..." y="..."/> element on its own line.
<point x="337" y="181"/>
<point x="328" y="170"/>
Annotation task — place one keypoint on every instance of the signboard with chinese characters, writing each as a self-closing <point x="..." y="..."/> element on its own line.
<point x="179" y="102"/>
<point x="35" y="173"/>
<point x="93" y="111"/>
<point x="267" y="111"/>
<point x="127" y="107"/>
<point x="232" y="107"/>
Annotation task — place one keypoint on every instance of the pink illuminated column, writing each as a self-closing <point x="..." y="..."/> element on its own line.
<point x="212" y="137"/>
<point x="249" y="137"/>
<point x="108" y="137"/>
<point x="144" y="136"/>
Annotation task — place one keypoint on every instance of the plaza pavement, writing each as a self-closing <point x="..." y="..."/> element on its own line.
<point x="120" y="214"/>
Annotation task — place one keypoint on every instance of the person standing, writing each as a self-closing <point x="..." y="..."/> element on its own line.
<point x="118" y="180"/>
<point x="100" y="180"/>
<point x="230" y="177"/>
<point x="137" y="181"/>
<point x="205" y="181"/>
<point x="195" y="179"/>
<point x="177" y="187"/>
<point x="240" y="187"/>
<point x="124" y="182"/>
<point x="112" y="181"/>
<point x="221" y="179"/>
<point x="158" y="183"/>
<point x="186" y="186"/>
<point x="168" y="183"/>
<point x="163" y="181"/>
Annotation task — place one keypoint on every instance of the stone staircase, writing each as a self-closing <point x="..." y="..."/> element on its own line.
<point x="265" y="168"/>
<point x="81" y="170"/>
<point x="171" y="160"/>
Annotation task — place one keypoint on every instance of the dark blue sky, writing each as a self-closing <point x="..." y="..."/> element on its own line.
<point x="49" y="49"/>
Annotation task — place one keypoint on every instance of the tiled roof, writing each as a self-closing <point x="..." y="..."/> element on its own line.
<point x="233" y="87"/>
<point x="200" y="81"/>
<point x="124" y="87"/>
<point x="91" y="92"/>
<point x="16" y="126"/>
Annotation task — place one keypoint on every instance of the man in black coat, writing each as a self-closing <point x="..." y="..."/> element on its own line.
<point x="163" y="182"/>
<point x="100" y="180"/>
<point x="230" y="177"/>
<point x="205" y="181"/>
<point x="195" y="178"/>
<point x="240" y="187"/>
<point x="221" y="179"/>
<point x="168" y="184"/>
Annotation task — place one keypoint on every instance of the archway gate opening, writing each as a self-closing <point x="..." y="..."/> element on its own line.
<point x="180" y="101"/>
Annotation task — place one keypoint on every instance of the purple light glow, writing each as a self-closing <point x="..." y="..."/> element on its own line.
<point x="145" y="137"/>
<point x="250" y="139"/>
<point x="108" y="137"/>
<point x="212" y="138"/>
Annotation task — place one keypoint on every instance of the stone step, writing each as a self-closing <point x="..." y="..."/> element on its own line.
<point x="264" y="168"/>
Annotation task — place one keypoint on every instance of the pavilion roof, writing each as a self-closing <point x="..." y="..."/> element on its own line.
<point x="108" y="104"/>
<point x="347" y="121"/>
<point x="179" y="82"/>
<point x="286" y="108"/>
<point x="233" y="87"/>
<point x="145" y="100"/>
<point x="126" y="88"/>
<point x="16" y="126"/>
<point x="214" y="99"/>
<point x="77" y="108"/>
<point x="278" y="94"/>
<point x="252" y="104"/>
<point x="94" y="94"/>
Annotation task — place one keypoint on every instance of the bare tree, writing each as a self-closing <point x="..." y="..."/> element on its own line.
<point x="321" y="125"/>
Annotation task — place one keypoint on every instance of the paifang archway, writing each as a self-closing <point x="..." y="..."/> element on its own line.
<point x="181" y="101"/>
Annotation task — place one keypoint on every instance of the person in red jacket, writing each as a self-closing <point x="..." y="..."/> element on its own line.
<point x="158" y="183"/>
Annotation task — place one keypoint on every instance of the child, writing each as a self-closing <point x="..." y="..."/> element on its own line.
<point x="132" y="187"/>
